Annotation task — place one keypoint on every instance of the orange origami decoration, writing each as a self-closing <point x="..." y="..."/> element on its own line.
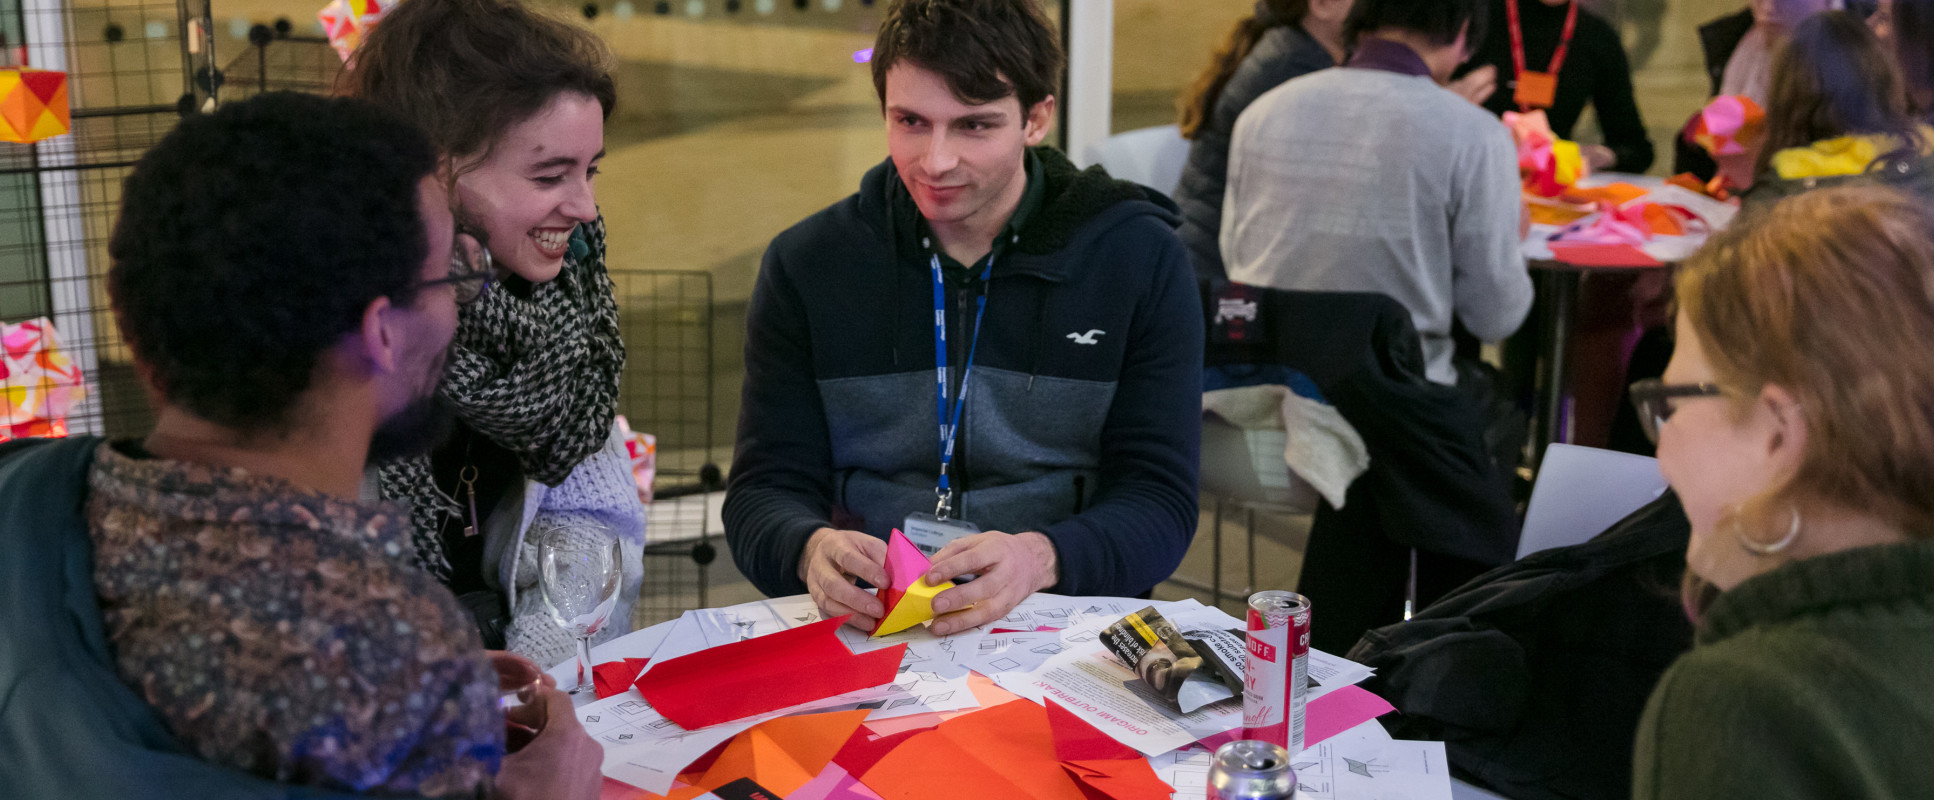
<point x="33" y="104"/>
<point x="39" y="384"/>
<point x="1729" y="125"/>
<point x="346" y="22"/>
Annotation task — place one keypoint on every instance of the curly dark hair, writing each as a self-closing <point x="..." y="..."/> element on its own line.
<point x="252" y="239"/>
<point x="985" y="49"/>
<point x="467" y="70"/>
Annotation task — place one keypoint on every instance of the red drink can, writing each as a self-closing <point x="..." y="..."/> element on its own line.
<point x="1275" y="684"/>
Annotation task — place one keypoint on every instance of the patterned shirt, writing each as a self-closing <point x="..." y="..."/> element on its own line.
<point x="282" y="632"/>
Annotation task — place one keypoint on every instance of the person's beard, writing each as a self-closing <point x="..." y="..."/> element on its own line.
<point x="413" y="430"/>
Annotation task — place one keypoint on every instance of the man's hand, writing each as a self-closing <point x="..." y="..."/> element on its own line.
<point x="1010" y="567"/>
<point x="832" y="561"/>
<point x="1476" y="85"/>
<point x="562" y="763"/>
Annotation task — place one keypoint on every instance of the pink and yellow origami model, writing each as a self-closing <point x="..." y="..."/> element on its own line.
<point x="33" y="104"/>
<point x="1729" y="125"/>
<point x="908" y="597"/>
<point x="1548" y="164"/>
<point x="39" y="385"/>
<point x="346" y="22"/>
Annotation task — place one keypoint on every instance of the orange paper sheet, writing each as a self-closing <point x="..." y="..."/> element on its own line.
<point x="1009" y="751"/>
<point x="781" y="754"/>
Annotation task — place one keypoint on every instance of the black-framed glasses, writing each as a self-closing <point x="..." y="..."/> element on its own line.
<point x="472" y="269"/>
<point x="1655" y="398"/>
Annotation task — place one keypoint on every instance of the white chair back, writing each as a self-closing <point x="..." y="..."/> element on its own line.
<point x="1581" y="491"/>
<point x="1152" y="157"/>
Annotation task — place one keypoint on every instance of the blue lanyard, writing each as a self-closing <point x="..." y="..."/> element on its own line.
<point x="950" y="423"/>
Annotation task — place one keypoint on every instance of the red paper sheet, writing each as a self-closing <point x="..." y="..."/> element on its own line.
<point x="1601" y="255"/>
<point x="764" y="674"/>
<point x="615" y="677"/>
<point x="1103" y="767"/>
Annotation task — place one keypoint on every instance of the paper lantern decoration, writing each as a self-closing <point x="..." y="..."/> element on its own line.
<point x="39" y="385"/>
<point x="1548" y="164"/>
<point x="346" y="22"/>
<point x="907" y="596"/>
<point x="1729" y="125"/>
<point x="33" y="104"/>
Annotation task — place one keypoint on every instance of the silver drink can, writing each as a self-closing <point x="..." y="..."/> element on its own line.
<point x="1251" y="770"/>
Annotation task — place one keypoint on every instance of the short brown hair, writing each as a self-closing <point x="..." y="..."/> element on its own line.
<point x="1830" y="295"/>
<point x="465" y="71"/>
<point x="985" y="49"/>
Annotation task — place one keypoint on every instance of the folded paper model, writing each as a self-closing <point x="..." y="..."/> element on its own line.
<point x="908" y="597"/>
<point x="764" y="674"/>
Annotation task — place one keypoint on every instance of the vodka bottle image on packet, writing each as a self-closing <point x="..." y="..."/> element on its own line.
<point x="1275" y="686"/>
<point x="1251" y="770"/>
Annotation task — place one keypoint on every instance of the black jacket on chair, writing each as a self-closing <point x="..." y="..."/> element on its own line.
<point x="1435" y="486"/>
<point x="1535" y="674"/>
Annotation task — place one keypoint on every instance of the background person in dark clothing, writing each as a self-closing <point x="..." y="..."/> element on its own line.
<point x="1594" y="69"/>
<point x="1281" y="40"/>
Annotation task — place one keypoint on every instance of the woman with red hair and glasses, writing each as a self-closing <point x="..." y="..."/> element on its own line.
<point x="1796" y="424"/>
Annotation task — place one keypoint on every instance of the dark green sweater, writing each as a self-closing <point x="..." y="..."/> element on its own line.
<point x="1814" y="680"/>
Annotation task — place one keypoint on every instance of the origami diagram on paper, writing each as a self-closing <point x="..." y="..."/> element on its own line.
<point x="39" y="385"/>
<point x="907" y="596"/>
<point x="764" y="674"/>
<point x="33" y="104"/>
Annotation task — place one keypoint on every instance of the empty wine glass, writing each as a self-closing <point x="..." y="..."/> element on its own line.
<point x="580" y="571"/>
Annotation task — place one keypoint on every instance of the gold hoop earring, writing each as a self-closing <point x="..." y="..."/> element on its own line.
<point x="1763" y="549"/>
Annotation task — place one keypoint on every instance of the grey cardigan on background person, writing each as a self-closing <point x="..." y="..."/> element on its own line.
<point x="1285" y="52"/>
<point x="1371" y="177"/>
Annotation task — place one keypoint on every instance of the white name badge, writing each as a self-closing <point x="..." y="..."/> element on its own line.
<point x="930" y="533"/>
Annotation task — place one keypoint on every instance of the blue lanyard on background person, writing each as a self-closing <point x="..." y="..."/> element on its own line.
<point x="950" y="423"/>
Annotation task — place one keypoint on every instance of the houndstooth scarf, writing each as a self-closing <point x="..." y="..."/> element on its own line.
<point x="538" y="376"/>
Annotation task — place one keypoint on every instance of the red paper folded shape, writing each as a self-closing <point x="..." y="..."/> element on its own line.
<point x="615" y="677"/>
<point x="767" y="673"/>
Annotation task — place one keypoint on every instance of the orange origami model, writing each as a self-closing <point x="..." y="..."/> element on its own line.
<point x="33" y="104"/>
<point x="908" y="597"/>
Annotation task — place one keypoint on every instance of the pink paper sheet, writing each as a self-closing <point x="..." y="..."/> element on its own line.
<point x="1327" y="716"/>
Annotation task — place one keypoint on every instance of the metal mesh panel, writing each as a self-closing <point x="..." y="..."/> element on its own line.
<point x="666" y="319"/>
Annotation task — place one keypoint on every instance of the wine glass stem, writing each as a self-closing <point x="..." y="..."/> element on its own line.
<point x="584" y="665"/>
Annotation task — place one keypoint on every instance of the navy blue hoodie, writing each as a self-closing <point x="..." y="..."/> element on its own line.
<point x="1083" y="421"/>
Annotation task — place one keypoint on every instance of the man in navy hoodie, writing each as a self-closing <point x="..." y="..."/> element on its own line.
<point x="984" y="346"/>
